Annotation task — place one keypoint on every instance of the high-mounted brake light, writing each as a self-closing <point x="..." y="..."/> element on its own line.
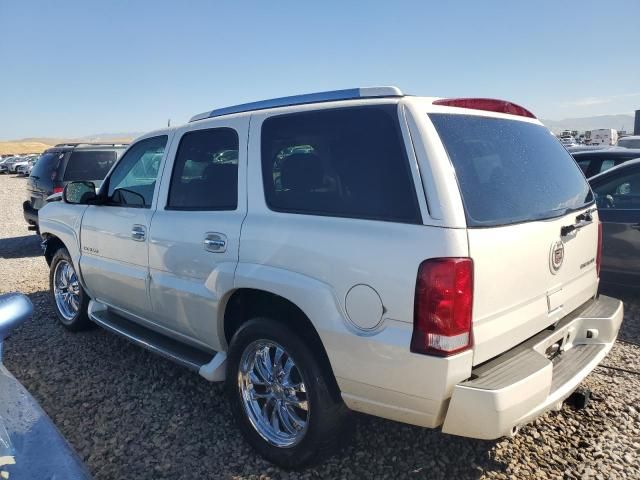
<point x="599" y="252"/>
<point x="442" y="309"/>
<point x="488" y="104"/>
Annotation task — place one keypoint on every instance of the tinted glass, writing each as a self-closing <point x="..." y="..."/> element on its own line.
<point x="629" y="142"/>
<point x="47" y="165"/>
<point x="606" y="165"/>
<point x="510" y="171"/>
<point x="346" y="162"/>
<point x="89" y="165"/>
<point x="133" y="180"/>
<point x="584" y="165"/>
<point x="205" y="172"/>
<point x="620" y="192"/>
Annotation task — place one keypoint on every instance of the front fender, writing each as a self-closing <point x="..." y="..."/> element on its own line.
<point x="63" y="221"/>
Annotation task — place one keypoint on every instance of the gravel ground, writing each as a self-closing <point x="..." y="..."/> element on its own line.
<point x="130" y="414"/>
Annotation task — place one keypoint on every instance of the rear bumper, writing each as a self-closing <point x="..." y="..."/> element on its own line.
<point x="30" y="213"/>
<point x="522" y="383"/>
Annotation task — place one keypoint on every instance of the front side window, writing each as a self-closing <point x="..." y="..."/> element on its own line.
<point x="205" y="172"/>
<point x="622" y="192"/>
<point x="133" y="180"/>
<point x="347" y="162"/>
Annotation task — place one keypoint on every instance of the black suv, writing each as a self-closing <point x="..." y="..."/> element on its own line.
<point x="64" y="163"/>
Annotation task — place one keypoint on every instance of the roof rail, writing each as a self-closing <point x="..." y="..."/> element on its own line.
<point x="92" y="144"/>
<point x="348" y="94"/>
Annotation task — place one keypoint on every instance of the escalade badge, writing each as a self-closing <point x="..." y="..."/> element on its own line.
<point x="556" y="256"/>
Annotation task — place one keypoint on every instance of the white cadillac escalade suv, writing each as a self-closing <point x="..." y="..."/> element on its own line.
<point x="431" y="261"/>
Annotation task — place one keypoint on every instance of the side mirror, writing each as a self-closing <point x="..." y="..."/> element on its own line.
<point x="79" y="193"/>
<point x="15" y="309"/>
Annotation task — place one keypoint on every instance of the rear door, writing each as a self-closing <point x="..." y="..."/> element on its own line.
<point x="114" y="235"/>
<point x="618" y="199"/>
<point x="195" y="233"/>
<point x="520" y="187"/>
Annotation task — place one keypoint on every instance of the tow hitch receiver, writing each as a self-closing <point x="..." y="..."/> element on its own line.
<point x="580" y="398"/>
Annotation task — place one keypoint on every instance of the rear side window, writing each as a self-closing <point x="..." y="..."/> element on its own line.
<point x="89" y="165"/>
<point x="510" y="171"/>
<point x="346" y="162"/>
<point x="205" y="172"/>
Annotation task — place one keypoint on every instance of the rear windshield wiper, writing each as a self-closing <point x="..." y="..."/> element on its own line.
<point x="582" y="220"/>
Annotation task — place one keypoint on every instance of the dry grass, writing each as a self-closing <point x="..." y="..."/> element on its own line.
<point x="38" y="145"/>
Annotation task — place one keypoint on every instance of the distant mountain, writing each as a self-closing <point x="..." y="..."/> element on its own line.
<point x="39" y="144"/>
<point x="111" y="137"/>
<point x="618" y="122"/>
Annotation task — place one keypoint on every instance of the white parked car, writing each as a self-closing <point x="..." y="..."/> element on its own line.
<point x="25" y="167"/>
<point x="431" y="261"/>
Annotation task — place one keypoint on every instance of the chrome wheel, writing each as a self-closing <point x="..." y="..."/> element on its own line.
<point x="273" y="393"/>
<point x="66" y="290"/>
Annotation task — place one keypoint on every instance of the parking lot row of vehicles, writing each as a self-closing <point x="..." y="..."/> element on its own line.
<point x="431" y="261"/>
<point x="21" y="165"/>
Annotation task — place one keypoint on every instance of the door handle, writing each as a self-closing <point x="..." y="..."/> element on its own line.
<point x="636" y="226"/>
<point x="138" y="233"/>
<point x="215" y="242"/>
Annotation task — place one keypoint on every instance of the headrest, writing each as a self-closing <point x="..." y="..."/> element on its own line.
<point x="302" y="172"/>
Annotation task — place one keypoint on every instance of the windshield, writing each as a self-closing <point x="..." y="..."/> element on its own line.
<point x="629" y="142"/>
<point x="510" y="171"/>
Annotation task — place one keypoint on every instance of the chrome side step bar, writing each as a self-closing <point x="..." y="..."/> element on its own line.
<point x="210" y="365"/>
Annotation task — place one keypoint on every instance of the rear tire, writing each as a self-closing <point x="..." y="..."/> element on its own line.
<point x="282" y="398"/>
<point x="69" y="299"/>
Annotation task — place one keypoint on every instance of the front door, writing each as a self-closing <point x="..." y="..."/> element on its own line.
<point x="114" y="235"/>
<point x="195" y="232"/>
<point x="618" y="197"/>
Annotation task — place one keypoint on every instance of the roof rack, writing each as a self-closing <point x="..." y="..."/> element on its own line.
<point x="347" y="94"/>
<point x="90" y="144"/>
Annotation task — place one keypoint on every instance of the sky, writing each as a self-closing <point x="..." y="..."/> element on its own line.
<point x="71" y="68"/>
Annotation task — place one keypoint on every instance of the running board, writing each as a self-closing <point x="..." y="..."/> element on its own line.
<point x="191" y="357"/>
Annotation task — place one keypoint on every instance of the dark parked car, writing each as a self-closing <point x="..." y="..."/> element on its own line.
<point x="30" y="445"/>
<point x="631" y="141"/>
<point x="66" y="163"/>
<point x="593" y="162"/>
<point x="618" y="198"/>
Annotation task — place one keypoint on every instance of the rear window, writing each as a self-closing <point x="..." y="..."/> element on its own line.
<point x="510" y="171"/>
<point x="89" y="165"/>
<point x="47" y="164"/>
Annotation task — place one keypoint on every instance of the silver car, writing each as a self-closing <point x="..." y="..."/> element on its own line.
<point x="30" y="445"/>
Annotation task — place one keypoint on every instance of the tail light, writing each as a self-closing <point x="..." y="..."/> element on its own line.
<point x="442" y="309"/>
<point x="487" y="104"/>
<point x="58" y="189"/>
<point x="599" y="253"/>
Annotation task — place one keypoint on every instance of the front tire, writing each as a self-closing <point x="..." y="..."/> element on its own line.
<point x="69" y="299"/>
<point x="281" y="396"/>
